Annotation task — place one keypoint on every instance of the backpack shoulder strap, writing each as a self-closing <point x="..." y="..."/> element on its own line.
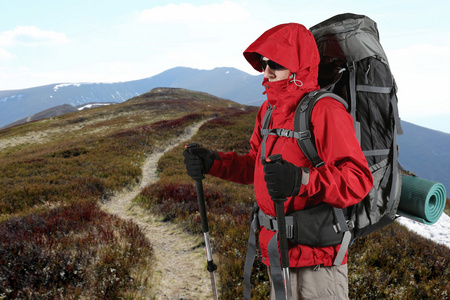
<point x="307" y="145"/>
<point x="302" y="121"/>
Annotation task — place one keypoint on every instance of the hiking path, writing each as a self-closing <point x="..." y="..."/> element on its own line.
<point x="179" y="267"/>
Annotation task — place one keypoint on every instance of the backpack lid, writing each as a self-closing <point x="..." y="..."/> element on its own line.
<point x="356" y="35"/>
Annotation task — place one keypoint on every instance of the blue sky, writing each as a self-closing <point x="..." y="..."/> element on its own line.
<point x="44" y="42"/>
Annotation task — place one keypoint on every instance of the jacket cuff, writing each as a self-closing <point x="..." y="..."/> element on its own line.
<point x="301" y="178"/>
<point x="216" y="155"/>
<point x="305" y="176"/>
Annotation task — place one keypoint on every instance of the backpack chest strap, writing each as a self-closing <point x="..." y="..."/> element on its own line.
<point x="286" y="133"/>
<point x="281" y="132"/>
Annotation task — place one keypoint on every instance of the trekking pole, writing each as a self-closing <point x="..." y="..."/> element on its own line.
<point x="211" y="266"/>
<point x="282" y="237"/>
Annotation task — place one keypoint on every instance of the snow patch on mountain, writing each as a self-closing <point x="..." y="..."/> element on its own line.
<point x="13" y="97"/>
<point x="92" y="105"/>
<point x="439" y="232"/>
<point x="58" y="86"/>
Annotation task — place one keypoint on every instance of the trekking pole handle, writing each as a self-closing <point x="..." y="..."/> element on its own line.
<point x="192" y="146"/>
<point x="275" y="158"/>
<point x="281" y="218"/>
<point x="200" y="195"/>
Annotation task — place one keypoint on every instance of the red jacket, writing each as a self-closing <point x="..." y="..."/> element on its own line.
<point x="344" y="179"/>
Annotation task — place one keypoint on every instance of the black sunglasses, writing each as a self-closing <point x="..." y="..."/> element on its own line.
<point x="272" y="65"/>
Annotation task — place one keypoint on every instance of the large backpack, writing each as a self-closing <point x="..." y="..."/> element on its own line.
<point x="353" y="70"/>
<point x="354" y="66"/>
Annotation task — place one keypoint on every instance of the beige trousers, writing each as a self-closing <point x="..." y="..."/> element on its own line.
<point x="317" y="282"/>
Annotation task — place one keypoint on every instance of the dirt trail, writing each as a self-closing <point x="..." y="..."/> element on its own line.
<point x="180" y="261"/>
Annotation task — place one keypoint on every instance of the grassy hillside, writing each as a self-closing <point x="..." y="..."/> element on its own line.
<point x="406" y="266"/>
<point x="57" y="242"/>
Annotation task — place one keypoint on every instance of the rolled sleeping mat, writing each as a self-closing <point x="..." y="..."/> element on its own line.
<point x="422" y="200"/>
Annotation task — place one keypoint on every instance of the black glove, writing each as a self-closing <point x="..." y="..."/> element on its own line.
<point x="283" y="178"/>
<point x="198" y="160"/>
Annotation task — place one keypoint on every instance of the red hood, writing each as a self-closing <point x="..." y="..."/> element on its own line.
<point x="291" y="45"/>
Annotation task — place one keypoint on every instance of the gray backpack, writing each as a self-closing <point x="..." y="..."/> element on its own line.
<point x="354" y="66"/>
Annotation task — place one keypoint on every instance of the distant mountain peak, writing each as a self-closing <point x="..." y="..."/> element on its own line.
<point x="241" y="87"/>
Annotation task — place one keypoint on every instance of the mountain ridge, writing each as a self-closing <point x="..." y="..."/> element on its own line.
<point x="228" y="83"/>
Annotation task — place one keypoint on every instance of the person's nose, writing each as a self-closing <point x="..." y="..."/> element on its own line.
<point x="268" y="72"/>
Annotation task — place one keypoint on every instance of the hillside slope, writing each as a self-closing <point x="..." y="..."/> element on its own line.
<point x="425" y="152"/>
<point x="55" y="172"/>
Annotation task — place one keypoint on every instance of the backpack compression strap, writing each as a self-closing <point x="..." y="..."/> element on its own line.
<point x="275" y="265"/>
<point x="251" y="254"/>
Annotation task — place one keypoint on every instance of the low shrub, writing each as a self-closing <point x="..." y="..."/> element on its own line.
<point x="404" y="266"/>
<point x="69" y="252"/>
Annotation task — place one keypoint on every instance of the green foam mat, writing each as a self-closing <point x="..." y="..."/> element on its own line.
<point x="422" y="200"/>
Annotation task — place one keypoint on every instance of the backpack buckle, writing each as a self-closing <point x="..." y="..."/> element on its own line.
<point x="284" y="132"/>
<point x="290" y="231"/>
<point x="304" y="135"/>
<point x="337" y="228"/>
<point x="350" y="224"/>
<point x="268" y="222"/>
<point x="351" y="66"/>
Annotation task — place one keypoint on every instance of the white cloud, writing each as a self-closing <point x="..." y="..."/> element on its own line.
<point x="199" y="36"/>
<point x="31" y="36"/>
<point x="217" y="13"/>
<point x="5" y="54"/>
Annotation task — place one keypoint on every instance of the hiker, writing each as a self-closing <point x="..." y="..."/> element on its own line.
<point x="288" y="56"/>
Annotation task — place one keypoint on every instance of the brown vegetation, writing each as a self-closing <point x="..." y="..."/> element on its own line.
<point x="53" y="167"/>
